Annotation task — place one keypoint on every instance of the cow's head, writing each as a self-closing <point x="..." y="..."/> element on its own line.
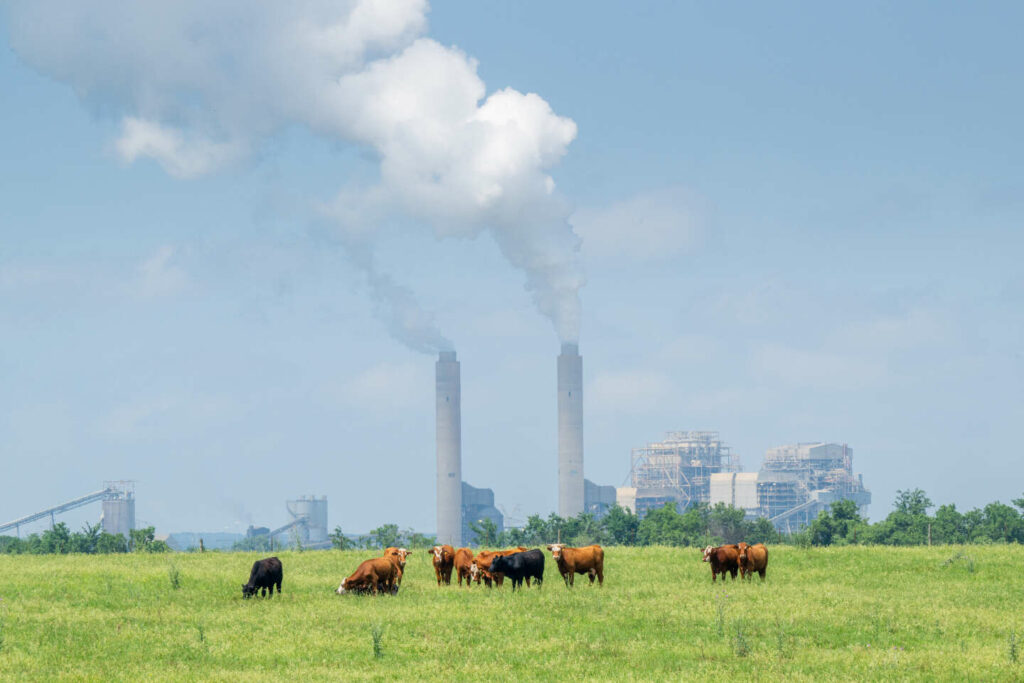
<point x="248" y="590"/>
<point x="556" y="550"/>
<point x="707" y="553"/>
<point x="342" y="589"/>
<point x="499" y="564"/>
<point x="474" y="572"/>
<point x="398" y="553"/>
<point x="438" y="552"/>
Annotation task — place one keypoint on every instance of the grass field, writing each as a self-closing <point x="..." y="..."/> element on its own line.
<point x="839" y="613"/>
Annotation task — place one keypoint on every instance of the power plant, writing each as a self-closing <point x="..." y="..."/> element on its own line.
<point x="118" y="516"/>
<point x="449" y="449"/>
<point x="570" y="431"/>
<point x="795" y="483"/>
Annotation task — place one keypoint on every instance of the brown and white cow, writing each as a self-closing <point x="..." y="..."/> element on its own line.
<point x="443" y="559"/>
<point x="373" y="575"/>
<point x="724" y="558"/>
<point x="587" y="560"/>
<point x="463" y="565"/>
<point x="399" y="555"/>
<point x="753" y="559"/>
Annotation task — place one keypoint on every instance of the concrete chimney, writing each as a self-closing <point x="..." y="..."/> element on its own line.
<point x="449" y="450"/>
<point x="570" y="431"/>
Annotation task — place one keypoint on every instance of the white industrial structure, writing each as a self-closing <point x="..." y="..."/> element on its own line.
<point x="449" y="449"/>
<point x="795" y="483"/>
<point x="310" y="513"/>
<point x="570" y="431"/>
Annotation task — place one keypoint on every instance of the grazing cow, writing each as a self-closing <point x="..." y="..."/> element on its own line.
<point x="519" y="566"/>
<point x="572" y="561"/>
<point x="753" y="559"/>
<point x="265" y="574"/>
<point x="444" y="559"/>
<point x="464" y="565"/>
<point x="723" y="559"/>
<point x="373" y="575"/>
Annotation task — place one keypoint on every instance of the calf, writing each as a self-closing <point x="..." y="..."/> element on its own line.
<point x="373" y="575"/>
<point x="265" y="574"/>
<point x="444" y="559"/>
<point x="723" y="559"/>
<point x="572" y="561"/>
<point x="519" y="566"/>
<point x="753" y="559"/>
<point x="464" y="565"/>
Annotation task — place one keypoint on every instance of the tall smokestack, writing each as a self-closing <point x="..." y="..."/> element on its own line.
<point x="449" y="450"/>
<point x="570" y="431"/>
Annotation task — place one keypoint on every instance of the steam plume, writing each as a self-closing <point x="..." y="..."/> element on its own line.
<point x="198" y="84"/>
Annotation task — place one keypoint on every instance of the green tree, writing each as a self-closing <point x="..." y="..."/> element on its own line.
<point x="1003" y="523"/>
<point x="662" y="526"/>
<point x="949" y="526"/>
<point x="485" y="532"/>
<point x="385" y="536"/>
<point x="763" y="531"/>
<point x="620" y="526"/>
<point x="339" y="540"/>
<point x="57" y="540"/>
<point x="144" y="541"/>
<point x="111" y="543"/>
<point x="85" y="541"/>
<point x="727" y="523"/>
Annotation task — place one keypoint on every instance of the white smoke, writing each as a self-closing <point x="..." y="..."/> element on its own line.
<point x="199" y="85"/>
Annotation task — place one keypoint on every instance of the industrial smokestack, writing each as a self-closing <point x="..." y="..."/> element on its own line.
<point x="570" y="431"/>
<point x="449" y="450"/>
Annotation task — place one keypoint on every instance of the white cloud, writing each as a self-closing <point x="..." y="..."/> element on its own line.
<point x="649" y="227"/>
<point x="629" y="391"/>
<point x="158" y="275"/>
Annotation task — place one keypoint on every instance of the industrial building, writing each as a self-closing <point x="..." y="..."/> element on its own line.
<point x="676" y="470"/>
<point x="597" y="500"/>
<point x="478" y="504"/>
<point x="795" y="483"/>
<point x="117" y="517"/>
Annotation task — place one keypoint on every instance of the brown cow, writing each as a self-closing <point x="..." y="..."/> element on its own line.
<point x="753" y="559"/>
<point x="723" y="559"/>
<point x="444" y="558"/>
<point x="463" y="565"/>
<point x="482" y="566"/>
<point x="399" y="555"/>
<point x="588" y="560"/>
<point x="372" y="575"/>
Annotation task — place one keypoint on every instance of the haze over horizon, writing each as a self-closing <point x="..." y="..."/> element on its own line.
<point x="234" y="235"/>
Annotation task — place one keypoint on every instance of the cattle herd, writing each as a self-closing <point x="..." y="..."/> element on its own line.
<point x="491" y="567"/>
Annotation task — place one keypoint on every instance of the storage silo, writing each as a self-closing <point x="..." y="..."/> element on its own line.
<point x="119" y="510"/>
<point x="570" y="431"/>
<point x="314" y="510"/>
<point x="449" y="449"/>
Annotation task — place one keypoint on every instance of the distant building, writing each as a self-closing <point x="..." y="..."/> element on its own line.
<point x="597" y="500"/>
<point x="795" y="483"/>
<point x="676" y="470"/>
<point x="212" y="540"/>
<point x="478" y="504"/>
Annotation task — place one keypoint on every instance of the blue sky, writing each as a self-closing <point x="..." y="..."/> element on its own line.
<point x="797" y="223"/>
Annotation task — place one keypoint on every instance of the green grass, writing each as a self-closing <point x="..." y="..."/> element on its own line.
<point x="839" y="613"/>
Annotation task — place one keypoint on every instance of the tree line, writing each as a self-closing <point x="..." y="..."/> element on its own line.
<point x="91" y="540"/>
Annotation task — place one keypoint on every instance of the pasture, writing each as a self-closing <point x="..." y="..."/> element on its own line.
<point x="835" y="613"/>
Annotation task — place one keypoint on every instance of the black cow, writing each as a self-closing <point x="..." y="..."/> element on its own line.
<point x="519" y="566"/>
<point x="265" y="573"/>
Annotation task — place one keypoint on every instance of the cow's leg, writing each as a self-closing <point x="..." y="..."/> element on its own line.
<point x="527" y="581"/>
<point x="263" y="592"/>
<point x="600" y="576"/>
<point x="279" y="588"/>
<point x="572" y="578"/>
<point x="271" y="589"/>
<point x="762" y="572"/>
<point x="565" y="577"/>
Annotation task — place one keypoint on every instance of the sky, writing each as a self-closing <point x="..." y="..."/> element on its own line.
<point x="233" y="236"/>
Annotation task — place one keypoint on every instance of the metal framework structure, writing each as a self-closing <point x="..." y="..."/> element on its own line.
<point x="682" y="465"/>
<point x="112" y="490"/>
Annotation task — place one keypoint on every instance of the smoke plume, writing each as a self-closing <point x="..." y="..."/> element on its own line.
<point x="198" y="85"/>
